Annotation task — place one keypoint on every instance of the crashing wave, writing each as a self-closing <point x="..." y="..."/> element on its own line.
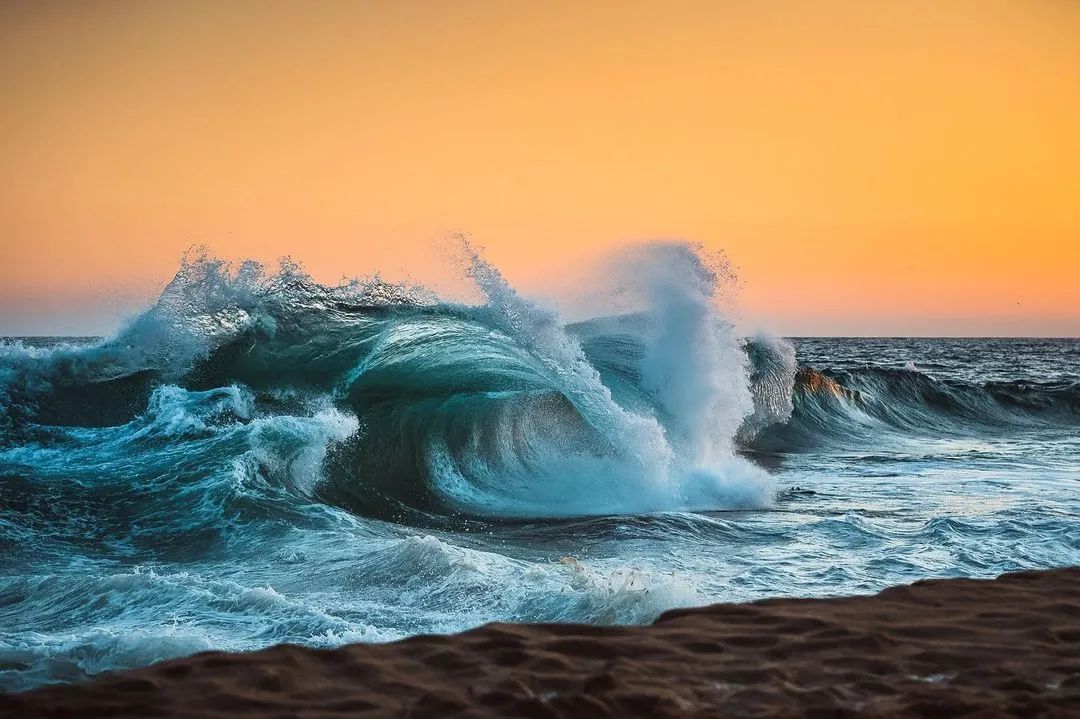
<point x="491" y="409"/>
<point x="867" y="405"/>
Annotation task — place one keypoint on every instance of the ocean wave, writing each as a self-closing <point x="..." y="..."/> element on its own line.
<point x="405" y="407"/>
<point x="380" y="398"/>
<point x="873" y="406"/>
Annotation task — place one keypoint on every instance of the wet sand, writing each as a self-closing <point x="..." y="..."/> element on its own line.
<point x="940" y="648"/>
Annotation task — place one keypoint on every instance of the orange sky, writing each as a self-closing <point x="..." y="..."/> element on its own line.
<point x="871" y="167"/>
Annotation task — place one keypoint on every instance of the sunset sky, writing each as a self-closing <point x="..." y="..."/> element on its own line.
<point x="883" y="168"/>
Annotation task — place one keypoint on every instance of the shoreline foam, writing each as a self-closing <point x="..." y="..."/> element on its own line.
<point x="1003" y="647"/>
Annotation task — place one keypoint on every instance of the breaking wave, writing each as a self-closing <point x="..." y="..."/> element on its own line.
<point x="381" y="398"/>
<point x="873" y="405"/>
<point x="384" y="399"/>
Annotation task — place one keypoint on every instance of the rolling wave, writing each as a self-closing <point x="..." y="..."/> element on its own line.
<point x="382" y="399"/>
<point x="498" y="409"/>
<point x="872" y="405"/>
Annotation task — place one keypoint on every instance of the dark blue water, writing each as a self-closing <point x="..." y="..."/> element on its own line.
<point x="260" y="459"/>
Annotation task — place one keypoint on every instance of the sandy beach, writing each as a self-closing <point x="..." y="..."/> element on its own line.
<point x="938" y="648"/>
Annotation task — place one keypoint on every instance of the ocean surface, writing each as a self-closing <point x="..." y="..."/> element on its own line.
<point x="260" y="459"/>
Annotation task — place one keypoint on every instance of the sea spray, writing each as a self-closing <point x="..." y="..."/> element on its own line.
<point x="693" y="367"/>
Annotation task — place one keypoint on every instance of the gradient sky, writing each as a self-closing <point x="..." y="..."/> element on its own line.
<point x="871" y="167"/>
